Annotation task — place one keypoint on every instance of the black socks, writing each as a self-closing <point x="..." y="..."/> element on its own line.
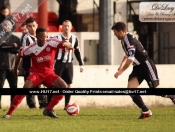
<point x="139" y="102"/>
<point x="67" y="99"/>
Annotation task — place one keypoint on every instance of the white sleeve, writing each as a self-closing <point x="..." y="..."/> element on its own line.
<point x="53" y="42"/>
<point x="27" y="50"/>
<point x="24" y="40"/>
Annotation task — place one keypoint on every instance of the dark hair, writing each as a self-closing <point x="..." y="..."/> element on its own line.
<point x="30" y="19"/>
<point x="4" y="7"/>
<point x="119" y="26"/>
<point x="39" y="30"/>
<point x="23" y="24"/>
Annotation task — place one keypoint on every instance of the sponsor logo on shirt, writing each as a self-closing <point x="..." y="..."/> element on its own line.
<point x="43" y="58"/>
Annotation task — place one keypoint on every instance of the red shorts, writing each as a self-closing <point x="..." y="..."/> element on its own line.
<point x="46" y="79"/>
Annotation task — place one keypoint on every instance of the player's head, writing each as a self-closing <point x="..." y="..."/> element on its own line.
<point x="41" y="36"/>
<point x="119" y="29"/>
<point x="31" y="25"/>
<point x="66" y="26"/>
<point x="24" y="28"/>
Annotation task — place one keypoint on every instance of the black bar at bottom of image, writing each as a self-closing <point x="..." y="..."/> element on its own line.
<point x="88" y="91"/>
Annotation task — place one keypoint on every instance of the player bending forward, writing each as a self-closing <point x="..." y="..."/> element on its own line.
<point x="143" y="67"/>
<point x="42" y="54"/>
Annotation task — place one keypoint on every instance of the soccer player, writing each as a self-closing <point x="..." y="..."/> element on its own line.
<point x="143" y="67"/>
<point x="63" y="60"/>
<point x="23" y="28"/>
<point x="42" y="54"/>
<point x="27" y="39"/>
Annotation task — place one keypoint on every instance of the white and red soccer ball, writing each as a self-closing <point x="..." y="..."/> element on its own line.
<point x="72" y="109"/>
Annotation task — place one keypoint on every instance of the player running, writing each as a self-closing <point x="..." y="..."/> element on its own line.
<point x="143" y="67"/>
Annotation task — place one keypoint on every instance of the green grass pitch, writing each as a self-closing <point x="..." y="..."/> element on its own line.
<point x="89" y="120"/>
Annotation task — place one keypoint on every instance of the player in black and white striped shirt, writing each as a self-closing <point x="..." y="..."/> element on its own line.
<point x="26" y="40"/>
<point x="143" y="67"/>
<point x="63" y="60"/>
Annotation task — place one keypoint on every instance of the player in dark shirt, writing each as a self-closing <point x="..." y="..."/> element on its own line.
<point x="143" y="67"/>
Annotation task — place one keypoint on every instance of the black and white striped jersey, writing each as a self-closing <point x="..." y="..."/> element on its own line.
<point x="26" y="40"/>
<point x="134" y="50"/>
<point x="65" y="55"/>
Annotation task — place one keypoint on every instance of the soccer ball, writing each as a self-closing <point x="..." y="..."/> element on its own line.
<point x="72" y="109"/>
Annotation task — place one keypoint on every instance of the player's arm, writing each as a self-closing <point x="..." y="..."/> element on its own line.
<point x="78" y="55"/>
<point x="20" y="55"/>
<point x="67" y="45"/>
<point x="25" y="50"/>
<point x="123" y="62"/>
<point x="17" y="63"/>
<point x="59" y="44"/>
<point x="63" y="44"/>
<point x="125" y="66"/>
<point x="130" y="58"/>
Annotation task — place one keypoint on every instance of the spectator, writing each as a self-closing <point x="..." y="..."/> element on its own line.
<point x="5" y="3"/>
<point x="5" y="15"/>
<point x="9" y="47"/>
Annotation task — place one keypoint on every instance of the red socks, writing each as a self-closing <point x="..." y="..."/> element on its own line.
<point x="16" y="101"/>
<point x="18" y="98"/>
<point x="55" y="100"/>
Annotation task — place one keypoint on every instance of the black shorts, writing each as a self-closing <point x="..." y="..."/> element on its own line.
<point x="147" y="71"/>
<point x="64" y="70"/>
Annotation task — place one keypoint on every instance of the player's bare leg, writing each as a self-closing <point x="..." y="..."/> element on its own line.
<point x="137" y="99"/>
<point x="59" y="83"/>
<point x="133" y="83"/>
